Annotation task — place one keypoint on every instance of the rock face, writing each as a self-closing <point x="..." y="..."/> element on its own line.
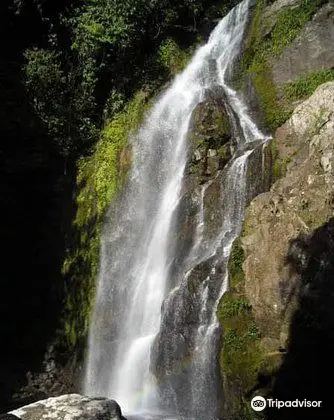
<point x="286" y="40"/>
<point x="210" y="137"/>
<point x="297" y="204"/>
<point x="312" y="50"/>
<point x="279" y="307"/>
<point x="210" y="148"/>
<point x="70" y="407"/>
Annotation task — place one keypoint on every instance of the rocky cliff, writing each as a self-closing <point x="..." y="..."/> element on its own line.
<point x="281" y="268"/>
<point x="277" y="318"/>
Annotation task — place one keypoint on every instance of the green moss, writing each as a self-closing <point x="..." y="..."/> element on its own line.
<point x="224" y="153"/>
<point x="235" y="271"/>
<point x="279" y="166"/>
<point x="242" y="356"/>
<point x="273" y="109"/>
<point x="246" y="228"/>
<point x="319" y="121"/>
<point x="230" y="307"/>
<point x="313" y="220"/>
<point x="211" y="126"/>
<point x="260" y="51"/>
<point x="254" y="36"/>
<point x="172" y="57"/>
<point x="306" y="84"/>
<point x="100" y="177"/>
<point x="101" y="174"/>
<point x="223" y="128"/>
<point x="289" y="24"/>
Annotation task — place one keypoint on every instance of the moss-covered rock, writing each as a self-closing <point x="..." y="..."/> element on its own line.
<point x="279" y="47"/>
<point x="256" y="312"/>
<point x="263" y="290"/>
<point x="210" y="137"/>
<point x="171" y="56"/>
<point x="297" y="203"/>
<point x="244" y="355"/>
<point x="100" y="177"/>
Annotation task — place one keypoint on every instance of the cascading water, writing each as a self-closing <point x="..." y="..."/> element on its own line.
<point x="129" y="331"/>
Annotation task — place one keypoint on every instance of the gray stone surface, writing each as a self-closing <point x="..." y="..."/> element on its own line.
<point x="312" y="50"/>
<point x="298" y="203"/>
<point x="70" y="407"/>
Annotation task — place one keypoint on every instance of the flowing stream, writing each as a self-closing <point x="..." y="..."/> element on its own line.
<point x="136" y="312"/>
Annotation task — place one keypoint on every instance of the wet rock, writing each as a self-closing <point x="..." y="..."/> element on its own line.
<point x="70" y="407"/>
<point x="172" y="355"/>
<point x="210" y="137"/>
<point x="259" y="176"/>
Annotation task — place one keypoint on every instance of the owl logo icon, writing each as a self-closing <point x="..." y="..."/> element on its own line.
<point x="258" y="403"/>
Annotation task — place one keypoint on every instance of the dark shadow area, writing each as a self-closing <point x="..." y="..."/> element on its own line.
<point x="34" y="215"/>
<point x="308" y="367"/>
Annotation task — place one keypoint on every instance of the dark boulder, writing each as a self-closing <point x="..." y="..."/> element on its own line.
<point x="210" y="136"/>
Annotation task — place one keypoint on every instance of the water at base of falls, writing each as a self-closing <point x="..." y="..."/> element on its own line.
<point x="129" y="320"/>
<point x="151" y="416"/>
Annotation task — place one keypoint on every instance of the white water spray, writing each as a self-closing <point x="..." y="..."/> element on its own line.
<point x="136" y="253"/>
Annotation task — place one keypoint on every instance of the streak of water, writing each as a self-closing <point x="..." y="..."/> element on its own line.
<point x="136" y="252"/>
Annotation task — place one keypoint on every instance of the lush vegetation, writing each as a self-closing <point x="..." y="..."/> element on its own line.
<point x="78" y="76"/>
<point x="98" y="53"/>
<point x="100" y="177"/>
<point x="279" y="165"/>
<point x="172" y="57"/>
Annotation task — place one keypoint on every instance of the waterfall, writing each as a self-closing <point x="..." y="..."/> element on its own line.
<point x="136" y="314"/>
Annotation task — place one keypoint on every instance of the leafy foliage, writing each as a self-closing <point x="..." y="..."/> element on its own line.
<point x="101" y="49"/>
<point x="172" y="57"/>
<point x="64" y="108"/>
